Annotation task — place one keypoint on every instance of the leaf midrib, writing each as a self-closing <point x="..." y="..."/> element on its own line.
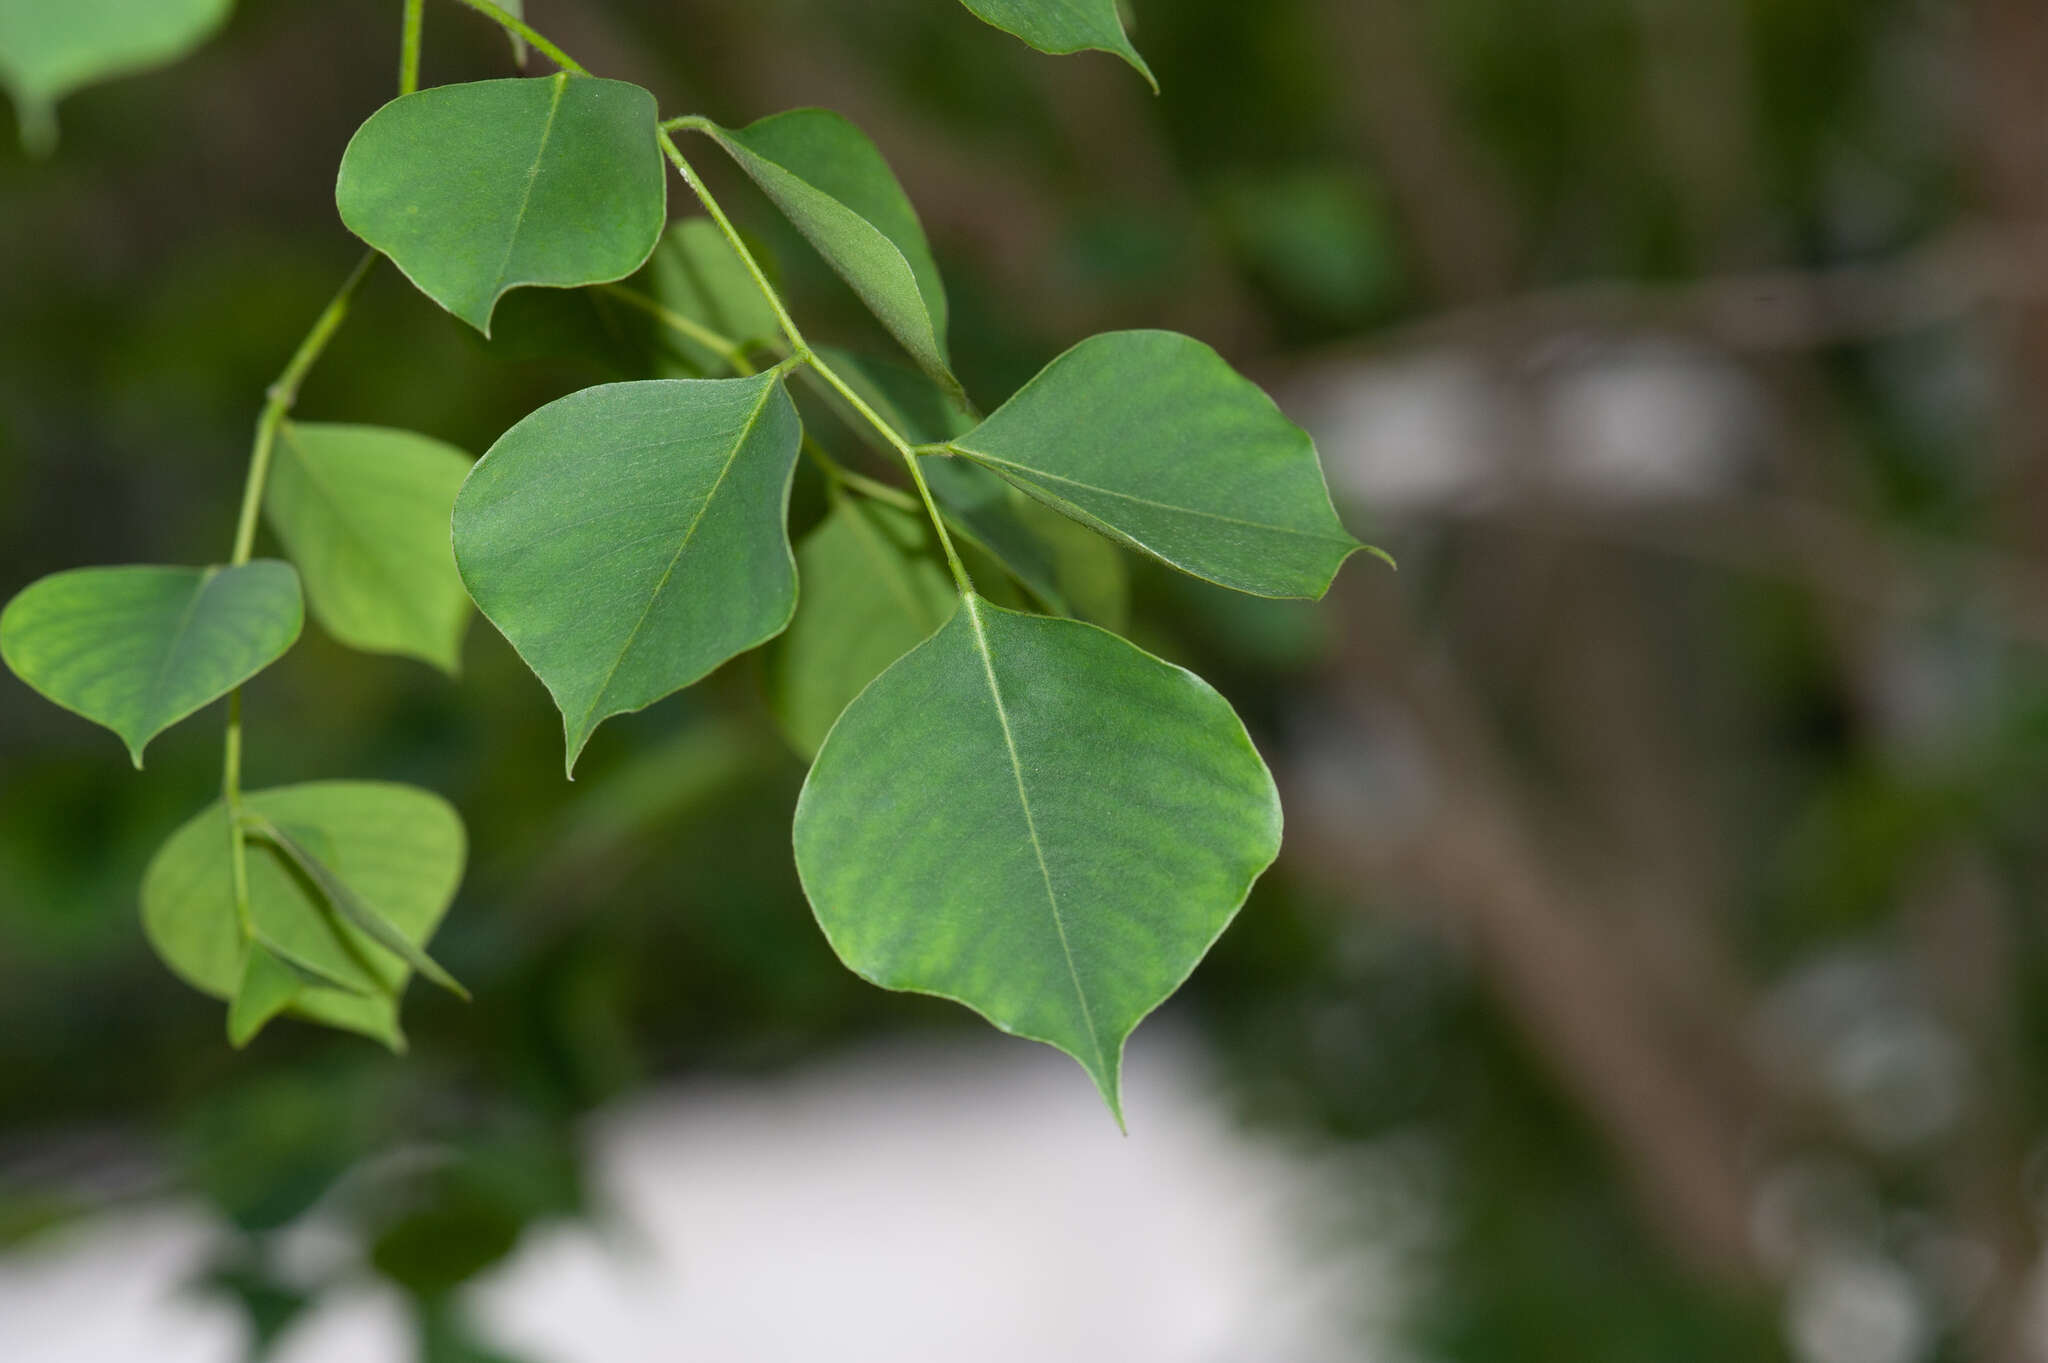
<point x="1006" y="466"/>
<point x="151" y="697"/>
<point x="1052" y="898"/>
<point x="560" y="80"/>
<point x="746" y="433"/>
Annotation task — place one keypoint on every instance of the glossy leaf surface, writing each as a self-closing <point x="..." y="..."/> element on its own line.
<point x="629" y="538"/>
<point x="476" y="189"/>
<point x="398" y="849"/>
<point x="1039" y="820"/>
<point x="1063" y="26"/>
<point x="833" y="184"/>
<point x="1149" y="437"/>
<point x="49" y="48"/>
<point x="363" y="511"/>
<point x="871" y="592"/>
<point x="138" y="648"/>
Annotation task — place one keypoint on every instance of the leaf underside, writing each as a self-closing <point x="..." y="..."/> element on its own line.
<point x="398" y="849"/>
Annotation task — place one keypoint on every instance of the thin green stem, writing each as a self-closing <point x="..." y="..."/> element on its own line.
<point x="909" y="453"/>
<point x="519" y="28"/>
<point x="732" y="237"/>
<point x="277" y="404"/>
<point x="409" y="47"/>
<point x="727" y="349"/>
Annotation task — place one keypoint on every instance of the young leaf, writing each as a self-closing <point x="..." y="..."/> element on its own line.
<point x="1037" y="819"/>
<point x="363" y="512"/>
<point x="268" y="986"/>
<point x="138" y="648"/>
<point x="695" y="275"/>
<point x="1063" y="26"/>
<point x="473" y="190"/>
<point x="337" y="895"/>
<point x="871" y="593"/>
<point x="830" y="181"/>
<point x="396" y="847"/>
<point x="1150" y="438"/>
<point x="48" y="48"/>
<point x="631" y="537"/>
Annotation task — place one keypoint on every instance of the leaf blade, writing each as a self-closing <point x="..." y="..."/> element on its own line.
<point x="477" y="189"/>
<point x="138" y="648"/>
<point x="1151" y="438"/>
<point x="397" y="846"/>
<point x="1086" y="821"/>
<point x="363" y="511"/>
<point x="833" y="184"/>
<point x="1061" y="27"/>
<point x="655" y="553"/>
<point x="49" y="50"/>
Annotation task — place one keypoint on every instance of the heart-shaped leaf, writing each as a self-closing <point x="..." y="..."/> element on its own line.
<point x="399" y="850"/>
<point x="830" y="181"/>
<point x="1039" y="820"/>
<point x="1063" y="26"/>
<point x="363" y="511"/>
<point x="1150" y="438"/>
<point x="629" y="538"/>
<point x="871" y="593"/>
<point x="48" y="48"/>
<point x="140" y="647"/>
<point x="473" y="190"/>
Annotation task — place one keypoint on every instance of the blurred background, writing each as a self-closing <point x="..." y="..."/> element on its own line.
<point x="1656" y="968"/>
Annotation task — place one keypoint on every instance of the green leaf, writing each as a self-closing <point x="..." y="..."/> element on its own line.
<point x="1039" y="820"/>
<point x="830" y="181"/>
<point x="139" y="648"/>
<point x="629" y="538"/>
<point x="696" y="275"/>
<point x="1150" y="438"/>
<point x="1063" y="26"/>
<point x="396" y="848"/>
<point x="473" y="190"/>
<point x="48" y="48"/>
<point x="363" y="511"/>
<point x="337" y="895"/>
<point x="871" y="593"/>
<point x="269" y="985"/>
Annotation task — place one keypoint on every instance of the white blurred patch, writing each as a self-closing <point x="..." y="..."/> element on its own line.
<point x="1623" y="419"/>
<point x="921" y="1203"/>
<point x="1856" y="1309"/>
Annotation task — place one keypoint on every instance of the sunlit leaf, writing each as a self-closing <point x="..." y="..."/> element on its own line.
<point x="476" y="189"/>
<point x="363" y="511"/>
<point x="396" y="848"/>
<point x="629" y="538"/>
<point x="139" y="648"/>
<point x="1039" y="820"/>
<point x="1149" y="437"/>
